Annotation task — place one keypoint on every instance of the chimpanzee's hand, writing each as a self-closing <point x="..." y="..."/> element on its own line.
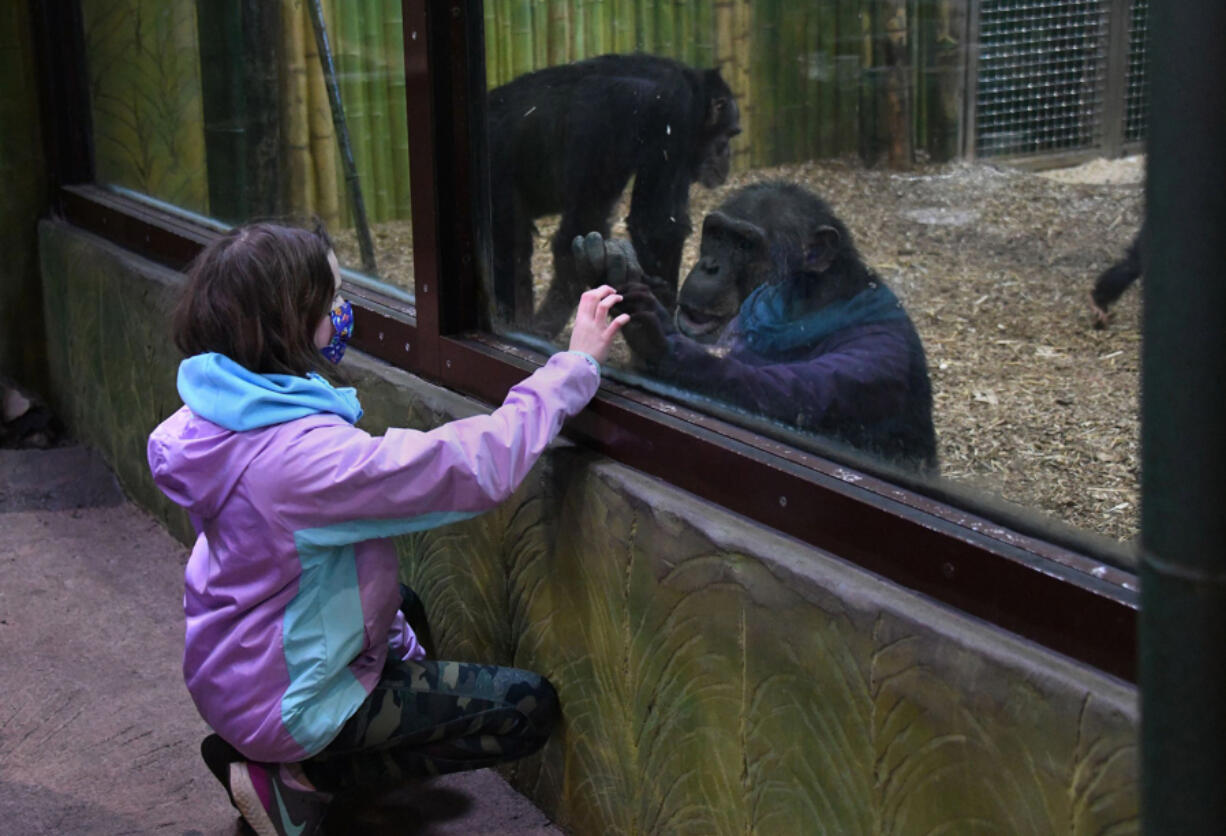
<point x="599" y="261"/>
<point x="665" y="292"/>
<point x="646" y="332"/>
<point x="638" y="297"/>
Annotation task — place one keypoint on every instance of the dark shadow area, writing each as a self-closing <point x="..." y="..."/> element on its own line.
<point x="420" y="808"/>
<point x="59" y="479"/>
<point x="25" y="421"/>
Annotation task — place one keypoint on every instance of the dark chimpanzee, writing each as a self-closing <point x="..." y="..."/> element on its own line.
<point x="1117" y="278"/>
<point x="803" y="332"/>
<point x="568" y="139"/>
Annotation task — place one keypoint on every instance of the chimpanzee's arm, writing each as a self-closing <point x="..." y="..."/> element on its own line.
<point x="862" y="377"/>
<point x="659" y="220"/>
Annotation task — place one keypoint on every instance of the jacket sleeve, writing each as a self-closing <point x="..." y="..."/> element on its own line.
<point x="862" y="376"/>
<point x="347" y="486"/>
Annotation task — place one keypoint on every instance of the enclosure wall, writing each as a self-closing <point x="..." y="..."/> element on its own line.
<point x="715" y="677"/>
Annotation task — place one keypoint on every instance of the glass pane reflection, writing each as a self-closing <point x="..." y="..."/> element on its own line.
<point x="865" y="107"/>
<point x="223" y="110"/>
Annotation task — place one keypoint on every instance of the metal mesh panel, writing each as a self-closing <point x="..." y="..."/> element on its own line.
<point x="1042" y="67"/>
<point x="1137" y="103"/>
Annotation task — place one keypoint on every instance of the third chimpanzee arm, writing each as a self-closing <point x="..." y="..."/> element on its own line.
<point x="862" y="377"/>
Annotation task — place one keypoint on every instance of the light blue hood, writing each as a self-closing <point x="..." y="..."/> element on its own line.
<point x="220" y="390"/>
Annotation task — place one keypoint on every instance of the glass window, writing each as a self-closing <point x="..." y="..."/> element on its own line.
<point x="843" y="225"/>
<point x="231" y="111"/>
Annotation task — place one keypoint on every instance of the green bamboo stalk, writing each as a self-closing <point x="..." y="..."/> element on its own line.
<point x="377" y="93"/>
<point x="743" y="42"/>
<point x="342" y="131"/>
<point x="827" y="48"/>
<point x="559" y="32"/>
<point x="597" y="24"/>
<point x="704" y="36"/>
<point x="847" y="75"/>
<point x="506" y="10"/>
<point x="665" y="43"/>
<point x="868" y="145"/>
<point x="645" y="26"/>
<point x="622" y="21"/>
<point x="393" y="47"/>
<point x="811" y="66"/>
<point x="766" y="76"/>
<point x="493" y="46"/>
<point x="294" y="110"/>
<point x="683" y="26"/>
<point x="331" y="18"/>
<point x="521" y="37"/>
<point x="353" y="90"/>
<point x="608" y="25"/>
<point x="540" y="33"/>
<point x="320" y="122"/>
<point x="799" y="65"/>
<point x="787" y="102"/>
<point x="576" y="10"/>
<point x="733" y="54"/>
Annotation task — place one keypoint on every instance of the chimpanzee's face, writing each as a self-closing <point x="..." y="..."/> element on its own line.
<point x="732" y="261"/>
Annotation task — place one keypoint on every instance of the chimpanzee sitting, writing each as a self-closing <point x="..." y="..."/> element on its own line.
<point x="568" y="139"/>
<point x="1117" y="278"/>
<point x="803" y="331"/>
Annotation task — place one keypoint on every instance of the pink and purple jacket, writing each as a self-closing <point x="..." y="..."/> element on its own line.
<point x="292" y="599"/>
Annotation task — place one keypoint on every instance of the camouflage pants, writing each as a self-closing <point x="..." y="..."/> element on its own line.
<point x="428" y="718"/>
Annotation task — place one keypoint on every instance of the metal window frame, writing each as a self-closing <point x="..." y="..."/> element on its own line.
<point x="1060" y="597"/>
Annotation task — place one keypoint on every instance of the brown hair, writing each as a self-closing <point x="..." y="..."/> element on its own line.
<point x="256" y="295"/>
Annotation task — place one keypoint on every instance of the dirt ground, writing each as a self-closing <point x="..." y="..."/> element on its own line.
<point x="1032" y="403"/>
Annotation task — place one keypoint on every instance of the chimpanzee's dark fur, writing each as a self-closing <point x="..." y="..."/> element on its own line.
<point x="567" y="139"/>
<point x="805" y="332"/>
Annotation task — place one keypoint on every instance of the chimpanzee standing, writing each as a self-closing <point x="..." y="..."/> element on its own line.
<point x="804" y="332"/>
<point x="568" y="138"/>
<point x="1117" y="278"/>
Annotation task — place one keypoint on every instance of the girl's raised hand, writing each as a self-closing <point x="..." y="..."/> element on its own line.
<point x="593" y="332"/>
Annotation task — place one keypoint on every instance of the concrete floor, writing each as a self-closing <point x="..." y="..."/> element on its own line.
<point x="97" y="732"/>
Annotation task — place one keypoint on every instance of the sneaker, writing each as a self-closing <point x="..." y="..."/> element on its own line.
<point x="274" y="806"/>
<point x="218" y="755"/>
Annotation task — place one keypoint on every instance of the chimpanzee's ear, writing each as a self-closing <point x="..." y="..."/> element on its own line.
<point x="823" y="248"/>
<point x="747" y="237"/>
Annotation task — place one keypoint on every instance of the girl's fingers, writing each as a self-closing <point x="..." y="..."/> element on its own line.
<point x="591" y="298"/>
<point x="613" y="327"/>
<point x="607" y="303"/>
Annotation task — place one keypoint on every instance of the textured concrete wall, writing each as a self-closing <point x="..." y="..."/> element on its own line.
<point x="715" y="677"/>
<point x="23" y="173"/>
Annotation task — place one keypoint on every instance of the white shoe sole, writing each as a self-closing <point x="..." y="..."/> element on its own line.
<point x="248" y="801"/>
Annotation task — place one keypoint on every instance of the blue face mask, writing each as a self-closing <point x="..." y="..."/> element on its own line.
<point x="342" y="330"/>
